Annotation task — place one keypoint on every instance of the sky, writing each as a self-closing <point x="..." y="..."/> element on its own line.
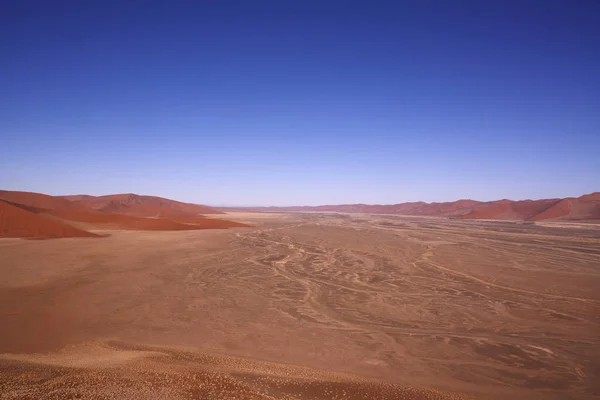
<point x="301" y="102"/>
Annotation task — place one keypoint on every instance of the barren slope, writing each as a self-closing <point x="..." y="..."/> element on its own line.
<point x="511" y="210"/>
<point x="209" y="223"/>
<point x="39" y="200"/>
<point x="142" y="206"/>
<point x="488" y="309"/>
<point x="120" y="221"/>
<point x="414" y="208"/>
<point x="18" y="222"/>
<point x="586" y="207"/>
<point x="123" y="213"/>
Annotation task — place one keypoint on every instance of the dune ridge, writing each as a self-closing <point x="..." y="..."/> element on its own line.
<point x="129" y="222"/>
<point x="584" y="208"/>
<point x="39" y="200"/>
<point x="140" y="205"/>
<point x="17" y="222"/>
<point x="41" y="216"/>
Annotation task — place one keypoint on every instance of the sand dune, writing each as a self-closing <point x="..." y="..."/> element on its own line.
<point x="143" y="210"/>
<point x="128" y="222"/>
<point x="583" y="208"/>
<point x="36" y="215"/>
<point x="586" y="207"/>
<point x="77" y="197"/>
<point x="39" y="201"/>
<point x="511" y="210"/>
<point x="141" y="206"/>
<point x="209" y="223"/>
<point x="18" y="222"/>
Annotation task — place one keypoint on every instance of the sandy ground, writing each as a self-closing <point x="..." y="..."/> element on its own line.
<point x="305" y="306"/>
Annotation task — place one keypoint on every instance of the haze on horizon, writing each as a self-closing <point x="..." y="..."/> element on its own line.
<point x="301" y="103"/>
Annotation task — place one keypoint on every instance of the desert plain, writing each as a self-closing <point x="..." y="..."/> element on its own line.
<point x="305" y="306"/>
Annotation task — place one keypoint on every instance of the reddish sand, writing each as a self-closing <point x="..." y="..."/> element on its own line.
<point x="559" y="210"/>
<point x="35" y="215"/>
<point x="448" y="209"/>
<point x="142" y="206"/>
<point x="17" y="222"/>
<point x="143" y="210"/>
<point x="209" y="223"/>
<point x="492" y="310"/>
<point x="511" y="210"/>
<point x="128" y="222"/>
<point x="493" y="211"/>
<point x="586" y="207"/>
<point x="39" y="200"/>
<point x="590" y="197"/>
<point x="168" y="214"/>
<point x="77" y="197"/>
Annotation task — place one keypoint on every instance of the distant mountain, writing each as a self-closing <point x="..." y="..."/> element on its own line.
<point x="510" y="210"/>
<point x="457" y="208"/>
<point x="141" y="206"/>
<point x="586" y="207"/>
<point x="581" y="208"/>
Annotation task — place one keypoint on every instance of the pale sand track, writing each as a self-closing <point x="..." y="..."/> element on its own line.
<point x="316" y="305"/>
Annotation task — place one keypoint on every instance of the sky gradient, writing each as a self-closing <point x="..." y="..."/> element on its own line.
<point x="301" y="102"/>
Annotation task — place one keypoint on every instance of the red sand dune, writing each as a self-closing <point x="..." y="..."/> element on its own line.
<point x="143" y="210"/>
<point x="447" y="209"/>
<point x="39" y="200"/>
<point x="128" y="222"/>
<point x="143" y="206"/>
<point x="592" y="197"/>
<point x="511" y="210"/>
<point x="17" y="222"/>
<point x="35" y="215"/>
<point x="130" y="211"/>
<point x="586" y="207"/>
<point x="76" y="197"/>
<point x="559" y="210"/>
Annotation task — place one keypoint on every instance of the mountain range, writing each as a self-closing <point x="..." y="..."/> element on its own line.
<point x="584" y="208"/>
<point x="40" y="216"/>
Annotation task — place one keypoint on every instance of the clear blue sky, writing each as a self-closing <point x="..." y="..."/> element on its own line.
<point x="301" y="102"/>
